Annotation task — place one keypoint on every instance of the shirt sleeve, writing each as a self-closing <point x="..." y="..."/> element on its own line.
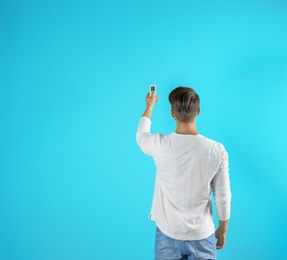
<point x="146" y="141"/>
<point x="221" y="186"/>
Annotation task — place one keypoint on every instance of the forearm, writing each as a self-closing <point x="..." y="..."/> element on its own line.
<point x="150" y="101"/>
<point x="223" y="225"/>
<point x="221" y="234"/>
<point x="148" y="111"/>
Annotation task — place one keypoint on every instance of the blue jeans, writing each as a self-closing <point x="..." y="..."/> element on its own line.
<point x="167" y="248"/>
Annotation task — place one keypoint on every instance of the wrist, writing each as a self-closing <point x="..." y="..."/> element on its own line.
<point x="149" y="107"/>
<point x="223" y="225"/>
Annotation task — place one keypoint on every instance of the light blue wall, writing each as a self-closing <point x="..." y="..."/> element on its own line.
<point x="73" y="76"/>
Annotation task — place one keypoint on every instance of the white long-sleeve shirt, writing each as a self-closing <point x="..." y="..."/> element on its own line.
<point x="188" y="169"/>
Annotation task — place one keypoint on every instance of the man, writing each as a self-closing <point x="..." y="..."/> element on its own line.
<point x="189" y="167"/>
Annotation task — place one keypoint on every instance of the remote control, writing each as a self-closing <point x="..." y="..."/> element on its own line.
<point x="152" y="88"/>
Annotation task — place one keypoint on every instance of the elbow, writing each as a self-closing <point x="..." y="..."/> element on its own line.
<point x="223" y="197"/>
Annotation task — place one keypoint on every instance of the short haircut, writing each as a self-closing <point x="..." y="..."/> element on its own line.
<point x="184" y="103"/>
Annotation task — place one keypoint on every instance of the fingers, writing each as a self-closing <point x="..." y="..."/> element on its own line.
<point x="151" y="94"/>
<point x="219" y="245"/>
<point x="152" y="97"/>
<point x="220" y="240"/>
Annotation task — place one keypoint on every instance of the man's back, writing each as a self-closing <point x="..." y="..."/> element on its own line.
<point x="186" y="168"/>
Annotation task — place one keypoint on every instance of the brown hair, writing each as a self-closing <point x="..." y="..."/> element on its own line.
<point x="184" y="103"/>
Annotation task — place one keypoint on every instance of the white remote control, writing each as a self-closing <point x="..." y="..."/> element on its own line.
<point x="152" y="88"/>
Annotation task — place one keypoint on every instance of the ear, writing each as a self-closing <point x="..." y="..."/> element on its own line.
<point x="198" y="112"/>
<point x="172" y="114"/>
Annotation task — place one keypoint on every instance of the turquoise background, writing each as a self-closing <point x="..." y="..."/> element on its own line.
<point x="73" y="78"/>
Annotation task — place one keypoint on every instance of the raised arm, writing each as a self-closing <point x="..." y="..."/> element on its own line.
<point x="150" y="101"/>
<point x="144" y="138"/>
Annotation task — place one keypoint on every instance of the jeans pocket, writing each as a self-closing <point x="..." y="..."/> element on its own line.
<point x="164" y="246"/>
<point x="206" y="248"/>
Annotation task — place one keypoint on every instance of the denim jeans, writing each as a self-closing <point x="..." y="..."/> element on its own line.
<point x="167" y="248"/>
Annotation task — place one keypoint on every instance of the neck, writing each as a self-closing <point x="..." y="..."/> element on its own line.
<point x="186" y="128"/>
